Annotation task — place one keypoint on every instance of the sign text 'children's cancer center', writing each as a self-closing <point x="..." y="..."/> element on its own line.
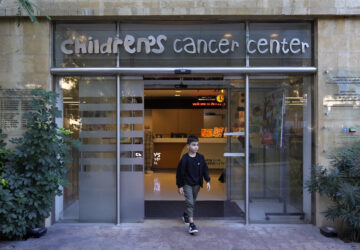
<point x="187" y="45"/>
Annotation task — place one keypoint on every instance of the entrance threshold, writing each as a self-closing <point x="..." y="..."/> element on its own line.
<point x="203" y="209"/>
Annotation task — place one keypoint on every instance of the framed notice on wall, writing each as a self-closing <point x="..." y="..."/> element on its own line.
<point x="14" y="103"/>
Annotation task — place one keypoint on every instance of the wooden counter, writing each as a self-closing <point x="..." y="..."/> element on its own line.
<point x="171" y="149"/>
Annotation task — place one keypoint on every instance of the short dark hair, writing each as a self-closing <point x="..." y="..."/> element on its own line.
<point x="191" y="139"/>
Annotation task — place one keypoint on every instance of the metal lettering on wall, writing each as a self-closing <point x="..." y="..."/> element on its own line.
<point x="13" y="104"/>
<point x="183" y="45"/>
<point x="187" y="45"/>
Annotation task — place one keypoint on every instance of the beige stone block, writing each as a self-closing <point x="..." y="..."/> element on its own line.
<point x="32" y="79"/>
<point x="166" y="11"/>
<point x="151" y="4"/>
<point x="86" y="4"/>
<point x="42" y="64"/>
<point x="321" y="5"/>
<point x="332" y="44"/>
<point x="355" y="62"/>
<point x="5" y="42"/>
<point x="350" y="4"/>
<point x="8" y="81"/>
<point x="354" y="42"/>
<point x="327" y="61"/>
<point x="29" y="29"/>
<point x="177" y="4"/>
<point x="197" y="11"/>
<point x="11" y="45"/>
<point x="5" y="28"/>
<point x="22" y="64"/>
<point x="36" y="45"/>
<point x="242" y="4"/>
<point x="4" y="66"/>
<point x="213" y="7"/>
<point x="344" y="60"/>
<point x="326" y="26"/>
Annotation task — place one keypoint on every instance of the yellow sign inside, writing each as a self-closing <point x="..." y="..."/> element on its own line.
<point x="220" y="98"/>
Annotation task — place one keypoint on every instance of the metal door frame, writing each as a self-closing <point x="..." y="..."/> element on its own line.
<point x="240" y="72"/>
<point x="235" y="72"/>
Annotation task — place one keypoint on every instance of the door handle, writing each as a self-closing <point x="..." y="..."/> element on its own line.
<point x="234" y="155"/>
<point x="234" y="133"/>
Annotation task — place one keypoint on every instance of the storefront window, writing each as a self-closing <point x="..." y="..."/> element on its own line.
<point x="154" y="125"/>
<point x="190" y="45"/>
<point x="280" y="156"/>
<point x="280" y="44"/>
<point x="183" y="45"/>
<point x="90" y="112"/>
<point x="83" y="45"/>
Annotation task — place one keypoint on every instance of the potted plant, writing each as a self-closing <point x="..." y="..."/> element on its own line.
<point x="341" y="184"/>
<point x="34" y="171"/>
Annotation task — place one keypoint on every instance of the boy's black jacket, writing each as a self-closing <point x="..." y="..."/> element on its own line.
<point x="180" y="172"/>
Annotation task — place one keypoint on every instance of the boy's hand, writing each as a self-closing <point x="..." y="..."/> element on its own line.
<point x="208" y="187"/>
<point x="181" y="191"/>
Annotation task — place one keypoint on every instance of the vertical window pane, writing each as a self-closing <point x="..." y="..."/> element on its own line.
<point x="279" y="135"/>
<point x="83" y="44"/>
<point x="280" y="44"/>
<point x="90" y="111"/>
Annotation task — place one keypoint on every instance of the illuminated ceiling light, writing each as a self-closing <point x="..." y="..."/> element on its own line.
<point x="228" y="35"/>
<point x="274" y="35"/>
<point x="178" y="91"/>
<point x="177" y="95"/>
<point x="67" y="83"/>
<point x="222" y="91"/>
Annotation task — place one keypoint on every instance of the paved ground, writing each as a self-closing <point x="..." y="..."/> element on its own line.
<point x="171" y="234"/>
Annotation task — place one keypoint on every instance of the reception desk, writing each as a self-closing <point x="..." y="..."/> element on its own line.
<point x="168" y="151"/>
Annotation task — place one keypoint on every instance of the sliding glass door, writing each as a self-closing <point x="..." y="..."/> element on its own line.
<point x="89" y="105"/>
<point x="280" y="148"/>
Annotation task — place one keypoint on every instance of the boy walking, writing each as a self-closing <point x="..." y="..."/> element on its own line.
<point x="191" y="171"/>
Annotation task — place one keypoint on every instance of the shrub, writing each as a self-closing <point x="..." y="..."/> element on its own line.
<point x="34" y="171"/>
<point x="341" y="184"/>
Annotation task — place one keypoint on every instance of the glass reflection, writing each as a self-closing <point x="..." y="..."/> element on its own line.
<point x="89" y="111"/>
<point x="279" y="148"/>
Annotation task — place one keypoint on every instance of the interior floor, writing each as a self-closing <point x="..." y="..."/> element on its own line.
<point x="161" y="185"/>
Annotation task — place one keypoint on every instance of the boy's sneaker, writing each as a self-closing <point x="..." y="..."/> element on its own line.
<point x="186" y="219"/>
<point x="193" y="228"/>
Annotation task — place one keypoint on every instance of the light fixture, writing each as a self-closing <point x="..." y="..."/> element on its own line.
<point x="177" y="95"/>
<point x="178" y="91"/>
<point x="67" y="83"/>
<point x="228" y="35"/>
<point x="222" y="91"/>
<point x="274" y="35"/>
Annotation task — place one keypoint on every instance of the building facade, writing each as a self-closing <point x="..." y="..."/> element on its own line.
<point x="270" y="87"/>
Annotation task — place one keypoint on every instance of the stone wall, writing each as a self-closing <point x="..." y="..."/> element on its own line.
<point x="25" y="54"/>
<point x="189" y="7"/>
<point x="338" y="52"/>
<point x="24" y="65"/>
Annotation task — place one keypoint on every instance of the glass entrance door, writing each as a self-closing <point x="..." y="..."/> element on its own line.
<point x="89" y="105"/>
<point x="279" y="147"/>
<point x="279" y="150"/>
<point x="172" y="114"/>
<point x="131" y="140"/>
<point x="235" y="155"/>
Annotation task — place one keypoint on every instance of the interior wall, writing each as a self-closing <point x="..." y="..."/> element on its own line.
<point x="167" y="121"/>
